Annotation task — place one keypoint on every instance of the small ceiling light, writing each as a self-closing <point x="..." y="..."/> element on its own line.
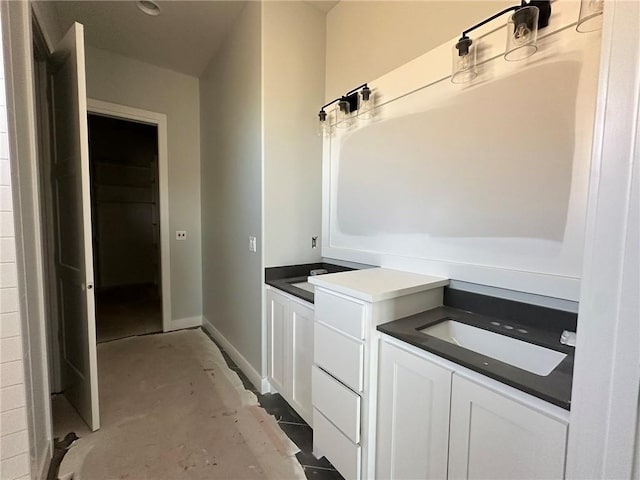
<point x="590" y="17"/>
<point x="149" y="7"/>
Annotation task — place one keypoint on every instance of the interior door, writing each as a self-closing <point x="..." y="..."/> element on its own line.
<point x="72" y="209"/>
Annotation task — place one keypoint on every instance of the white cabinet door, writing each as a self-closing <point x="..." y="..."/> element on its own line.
<point x="496" y="437"/>
<point x="413" y="416"/>
<point x="290" y="352"/>
<point x="277" y="324"/>
<point x="301" y="345"/>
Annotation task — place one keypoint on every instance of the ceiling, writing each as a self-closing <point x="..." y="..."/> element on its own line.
<point x="183" y="38"/>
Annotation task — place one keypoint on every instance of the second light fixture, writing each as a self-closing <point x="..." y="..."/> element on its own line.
<point x="359" y="100"/>
<point x="522" y="37"/>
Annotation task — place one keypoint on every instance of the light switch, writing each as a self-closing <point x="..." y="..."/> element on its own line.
<point x="253" y="245"/>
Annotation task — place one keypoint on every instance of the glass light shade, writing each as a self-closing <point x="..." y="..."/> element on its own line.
<point x="324" y="124"/>
<point x="324" y="128"/>
<point x="522" y="34"/>
<point x="590" y="17"/>
<point x="366" y="105"/>
<point x="464" y="66"/>
<point x="344" y="119"/>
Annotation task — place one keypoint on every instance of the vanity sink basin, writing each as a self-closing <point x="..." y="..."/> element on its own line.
<point x="527" y="356"/>
<point x="304" y="286"/>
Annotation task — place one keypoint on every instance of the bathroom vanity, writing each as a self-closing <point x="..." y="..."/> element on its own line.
<point x="401" y="376"/>
<point x="482" y="394"/>
<point x="348" y="308"/>
<point x="290" y="313"/>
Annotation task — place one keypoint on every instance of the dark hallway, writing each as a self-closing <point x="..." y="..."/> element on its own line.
<point x="125" y="218"/>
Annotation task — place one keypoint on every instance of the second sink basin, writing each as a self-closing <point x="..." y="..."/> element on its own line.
<point x="527" y="356"/>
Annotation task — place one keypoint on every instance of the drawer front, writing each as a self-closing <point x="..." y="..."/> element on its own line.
<point x="341" y="313"/>
<point x="341" y="356"/>
<point x="328" y="441"/>
<point x="338" y="403"/>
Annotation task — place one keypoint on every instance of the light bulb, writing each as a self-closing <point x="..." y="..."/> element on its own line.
<point x="522" y="34"/>
<point x="463" y="62"/>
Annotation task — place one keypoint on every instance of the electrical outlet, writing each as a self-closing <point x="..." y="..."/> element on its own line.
<point x="181" y="235"/>
<point x="314" y="242"/>
<point x="253" y="244"/>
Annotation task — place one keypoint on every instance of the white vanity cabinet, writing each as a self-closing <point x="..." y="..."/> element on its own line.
<point x="413" y="416"/>
<point x="439" y="420"/>
<point x="290" y="349"/>
<point x="496" y="436"/>
<point x="348" y="308"/>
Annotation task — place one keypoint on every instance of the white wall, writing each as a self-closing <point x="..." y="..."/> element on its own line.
<point x="118" y="79"/>
<point x="26" y="330"/>
<point x="14" y="437"/>
<point x="231" y="126"/>
<point x="406" y="222"/>
<point x="293" y="51"/>
<point x="368" y="39"/>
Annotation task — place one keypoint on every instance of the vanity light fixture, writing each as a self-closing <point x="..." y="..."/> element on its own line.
<point x="590" y="17"/>
<point x="522" y="36"/>
<point x="360" y="100"/>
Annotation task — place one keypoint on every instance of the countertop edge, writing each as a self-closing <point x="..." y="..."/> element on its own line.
<point x="377" y="297"/>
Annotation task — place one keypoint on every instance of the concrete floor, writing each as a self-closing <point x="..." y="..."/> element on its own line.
<point x="171" y="408"/>
<point x="128" y="311"/>
<point x="293" y="425"/>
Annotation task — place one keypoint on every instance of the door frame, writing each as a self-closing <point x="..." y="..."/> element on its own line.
<point x="124" y="112"/>
<point x="41" y="56"/>
<point x="605" y="421"/>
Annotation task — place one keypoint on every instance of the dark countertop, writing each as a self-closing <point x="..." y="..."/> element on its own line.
<point x="282" y="278"/>
<point x="554" y="388"/>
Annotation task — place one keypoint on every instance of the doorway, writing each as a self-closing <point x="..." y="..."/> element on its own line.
<point x="126" y="228"/>
<point x="71" y="328"/>
<point x="138" y="122"/>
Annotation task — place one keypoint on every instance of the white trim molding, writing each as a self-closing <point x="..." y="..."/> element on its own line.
<point x="115" y="110"/>
<point x="21" y="141"/>
<point x="182" y="323"/>
<point x="604" y="410"/>
<point x="261" y="383"/>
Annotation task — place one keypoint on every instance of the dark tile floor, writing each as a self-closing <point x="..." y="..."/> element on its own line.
<point x="292" y="425"/>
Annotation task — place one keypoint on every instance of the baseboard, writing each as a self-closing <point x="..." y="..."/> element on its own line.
<point x="182" y="323"/>
<point x="261" y="384"/>
<point x="266" y="386"/>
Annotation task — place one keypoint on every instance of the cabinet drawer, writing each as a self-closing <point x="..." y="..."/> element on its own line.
<point x="341" y="313"/>
<point x="328" y="441"/>
<point x="341" y="356"/>
<point x="337" y="403"/>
